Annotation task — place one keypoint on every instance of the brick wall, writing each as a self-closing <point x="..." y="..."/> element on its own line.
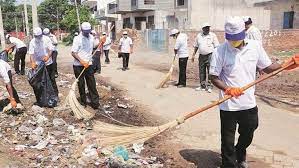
<point x="273" y="40"/>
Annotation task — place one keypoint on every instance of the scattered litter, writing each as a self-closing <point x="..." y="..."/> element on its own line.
<point x="58" y="122"/>
<point x="138" y="147"/>
<point x="38" y="131"/>
<point x="41" y="145"/>
<point x="25" y="129"/>
<point x="106" y="106"/>
<point x="41" y="119"/>
<point x="122" y="152"/>
<point x="20" y="148"/>
<point x="37" y="109"/>
<point x="122" y="106"/>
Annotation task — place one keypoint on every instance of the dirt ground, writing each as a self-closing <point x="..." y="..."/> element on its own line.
<point x="280" y="91"/>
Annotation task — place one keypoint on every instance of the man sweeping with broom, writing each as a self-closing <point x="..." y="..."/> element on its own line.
<point x="181" y="49"/>
<point x="233" y="65"/>
<point x="83" y="45"/>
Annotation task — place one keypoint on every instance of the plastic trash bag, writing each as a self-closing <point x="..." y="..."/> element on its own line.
<point x="40" y="81"/>
<point x="4" y="56"/>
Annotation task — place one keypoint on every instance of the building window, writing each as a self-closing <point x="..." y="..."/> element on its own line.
<point x="149" y="2"/>
<point x="180" y="2"/>
<point x="288" y="20"/>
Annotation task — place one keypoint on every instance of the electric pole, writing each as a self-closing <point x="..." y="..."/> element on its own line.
<point x="78" y="16"/>
<point x="34" y="14"/>
<point x="26" y="19"/>
<point x="2" y="31"/>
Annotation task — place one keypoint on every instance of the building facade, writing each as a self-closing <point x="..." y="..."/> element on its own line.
<point x="284" y="13"/>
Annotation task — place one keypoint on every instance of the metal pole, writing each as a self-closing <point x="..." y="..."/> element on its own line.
<point x="34" y="14"/>
<point x="78" y="16"/>
<point x="2" y="31"/>
<point x="26" y="19"/>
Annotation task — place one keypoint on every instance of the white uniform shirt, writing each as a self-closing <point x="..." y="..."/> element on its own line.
<point x="206" y="43"/>
<point x="54" y="41"/>
<point x="107" y="44"/>
<point x="254" y="33"/>
<point x="125" y="44"/>
<point x="181" y="45"/>
<point x="17" y="42"/>
<point x="237" y="68"/>
<point x="83" y="46"/>
<point x="39" y="49"/>
<point x="4" y="68"/>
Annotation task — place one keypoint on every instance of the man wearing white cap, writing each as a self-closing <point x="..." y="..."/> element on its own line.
<point x="106" y="47"/>
<point x="21" y="51"/>
<point x="83" y="45"/>
<point x="205" y="43"/>
<point x="126" y="48"/>
<point x="233" y="65"/>
<point x="181" y="49"/>
<point x="252" y="32"/>
<point x="53" y="38"/>
<point x="40" y="50"/>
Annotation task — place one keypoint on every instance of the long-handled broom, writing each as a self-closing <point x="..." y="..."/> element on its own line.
<point x="167" y="76"/>
<point x="110" y="135"/>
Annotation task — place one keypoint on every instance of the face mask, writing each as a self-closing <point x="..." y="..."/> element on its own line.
<point x="38" y="38"/>
<point x="235" y="44"/>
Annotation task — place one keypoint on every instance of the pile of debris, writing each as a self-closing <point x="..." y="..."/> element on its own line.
<point x="43" y="137"/>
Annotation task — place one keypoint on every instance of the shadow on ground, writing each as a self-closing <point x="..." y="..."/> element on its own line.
<point x="202" y="158"/>
<point x="211" y="159"/>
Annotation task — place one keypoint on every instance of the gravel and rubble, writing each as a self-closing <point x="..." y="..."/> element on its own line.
<point x="43" y="137"/>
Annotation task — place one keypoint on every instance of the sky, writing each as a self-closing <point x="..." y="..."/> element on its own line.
<point x="28" y="2"/>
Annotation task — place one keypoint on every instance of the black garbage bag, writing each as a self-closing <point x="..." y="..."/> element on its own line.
<point x="4" y="56"/>
<point x="40" y="81"/>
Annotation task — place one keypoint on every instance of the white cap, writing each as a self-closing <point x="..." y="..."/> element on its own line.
<point x="246" y="18"/>
<point x="37" y="31"/>
<point x="86" y="26"/>
<point x="76" y="33"/>
<point x="206" y="24"/>
<point x="104" y="33"/>
<point x="234" y="28"/>
<point x="125" y="32"/>
<point x="46" y="31"/>
<point x="7" y="36"/>
<point x="173" y="32"/>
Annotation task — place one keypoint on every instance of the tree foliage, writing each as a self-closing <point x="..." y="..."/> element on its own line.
<point x="51" y="13"/>
<point x="70" y="20"/>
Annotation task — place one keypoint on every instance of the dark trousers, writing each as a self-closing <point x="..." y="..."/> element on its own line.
<point x="88" y="76"/>
<point x="126" y="57"/>
<point x="20" y="57"/>
<point x="204" y="65"/>
<point x="106" y="52"/>
<point x="248" y="123"/>
<point x="14" y="92"/>
<point x="96" y="61"/>
<point x="54" y="58"/>
<point x="182" y="68"/>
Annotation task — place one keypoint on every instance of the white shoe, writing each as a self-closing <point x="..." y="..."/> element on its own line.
<point x="209" y="90"/>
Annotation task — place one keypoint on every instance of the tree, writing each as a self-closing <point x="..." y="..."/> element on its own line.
<point x="70" y="20"/>
<point x="51" y="13"/>
<point x="8" y="13"/>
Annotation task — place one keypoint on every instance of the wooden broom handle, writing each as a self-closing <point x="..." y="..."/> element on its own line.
<point x="264" y="77"/>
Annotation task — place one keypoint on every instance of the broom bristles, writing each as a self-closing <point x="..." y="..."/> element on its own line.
<point x="166" y="78"/>
<point x="78" y="110"/>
